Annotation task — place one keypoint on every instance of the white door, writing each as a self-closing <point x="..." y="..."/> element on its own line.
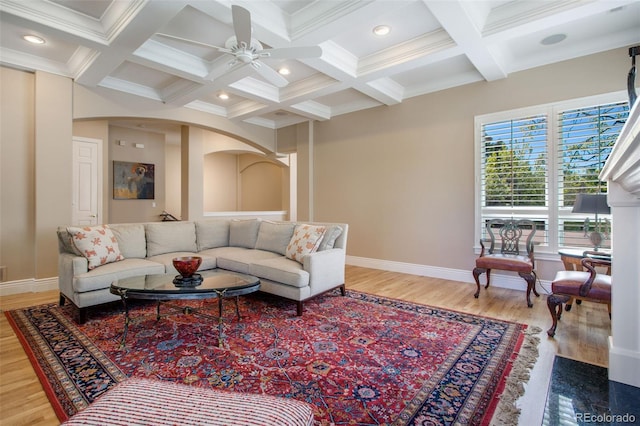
<point x="87" y="181"/>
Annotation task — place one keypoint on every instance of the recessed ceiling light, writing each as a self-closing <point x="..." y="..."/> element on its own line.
<point x="553" y="39"/>
<point x="34" y="39"/>
<point x="223" y="96"/>
<point x="382" y="30"/>
<point x="284" y="71"/>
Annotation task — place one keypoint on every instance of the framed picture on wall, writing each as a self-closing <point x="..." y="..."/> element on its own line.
<point x="133" y="181"/>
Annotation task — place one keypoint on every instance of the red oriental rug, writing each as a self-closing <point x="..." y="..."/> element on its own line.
<point x="359" y="359"/>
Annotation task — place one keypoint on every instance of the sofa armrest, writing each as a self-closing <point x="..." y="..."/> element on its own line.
<point x="70" y="265"/>
<point x="325" y="268"/>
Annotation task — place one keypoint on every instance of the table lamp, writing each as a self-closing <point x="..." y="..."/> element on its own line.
<point x="592" y="203"/>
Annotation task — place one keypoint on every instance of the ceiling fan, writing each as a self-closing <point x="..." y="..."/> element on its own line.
<point x="248" y="51"/>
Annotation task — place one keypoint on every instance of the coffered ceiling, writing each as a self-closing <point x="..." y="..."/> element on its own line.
<point x="137" y="47"/>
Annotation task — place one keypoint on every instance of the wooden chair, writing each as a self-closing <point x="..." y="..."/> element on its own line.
<point x="578" y="267"/>
<point x="508" y="258"/>
<point x="586" y="285"/>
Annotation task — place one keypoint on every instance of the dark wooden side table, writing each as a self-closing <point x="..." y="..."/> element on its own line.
<point x="572" y="260"/>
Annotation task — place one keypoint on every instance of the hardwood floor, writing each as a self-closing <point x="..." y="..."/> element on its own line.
<point x="582" y="334"/>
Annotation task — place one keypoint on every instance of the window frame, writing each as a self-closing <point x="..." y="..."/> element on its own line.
<point x="548" y="249"/>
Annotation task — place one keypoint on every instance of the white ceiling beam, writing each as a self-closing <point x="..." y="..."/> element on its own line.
<point x="455" y="20"/>
<point x="146" y="21"/>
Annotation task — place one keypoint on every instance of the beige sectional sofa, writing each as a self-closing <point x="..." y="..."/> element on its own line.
<point x="256" y="247"/>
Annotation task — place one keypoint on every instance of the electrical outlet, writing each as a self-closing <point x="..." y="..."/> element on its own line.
<point x="153" y="204"/>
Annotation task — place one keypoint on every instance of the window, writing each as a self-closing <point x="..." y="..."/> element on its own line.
<point x="533" y="162"/>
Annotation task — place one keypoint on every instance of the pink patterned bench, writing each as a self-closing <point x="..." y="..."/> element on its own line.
<point x="152" y="402"/>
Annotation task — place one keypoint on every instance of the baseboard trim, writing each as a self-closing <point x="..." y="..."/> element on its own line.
<point x="502" y="280"/>
<point x="30" y="285"/>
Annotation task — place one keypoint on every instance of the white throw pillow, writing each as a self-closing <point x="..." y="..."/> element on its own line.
<point x="96" y="243"/>
<point x="305" y="240"/>
<point x="244" y="233"/>
<point x="274" y="236"/>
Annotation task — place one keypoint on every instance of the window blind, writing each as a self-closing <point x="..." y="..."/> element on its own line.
<point x="514" y="162"/>
<point x="585" y="139"/>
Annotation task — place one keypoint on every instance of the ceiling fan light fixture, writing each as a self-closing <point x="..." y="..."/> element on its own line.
<point x="553" y="39"/>
<point x="382" y="30"/>
<point x="34" y="39"/>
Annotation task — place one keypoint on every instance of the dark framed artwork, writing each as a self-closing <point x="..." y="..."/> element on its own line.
<point x="133" y="181"/>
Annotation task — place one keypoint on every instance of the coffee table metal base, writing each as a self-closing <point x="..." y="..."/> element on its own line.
<point x="160" y="288"/>
<point x="184" y="309"/>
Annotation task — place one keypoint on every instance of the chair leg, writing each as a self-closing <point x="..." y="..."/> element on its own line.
<point x="476" y="276"/>
<point x="567" y="307"/>
<point x="554" y="303"/>
<point x="535" y="279"/>
<point x="531" y="284"/>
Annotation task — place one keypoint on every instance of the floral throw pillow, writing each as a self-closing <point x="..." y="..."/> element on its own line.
<point x="96" y="243"/>
<point x="305" y="240"/>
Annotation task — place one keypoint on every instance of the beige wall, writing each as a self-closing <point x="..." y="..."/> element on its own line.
<point x="220" y="182"/>
<point x="17" y="173"/>
<point x="261" y="183"/>
<point x="402" y="176"/>
<point x="173" y="185"/>
<point x="53" y="130"/>
<point x="36" y="171"/>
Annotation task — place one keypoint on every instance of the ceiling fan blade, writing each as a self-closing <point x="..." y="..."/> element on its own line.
<point x="270" y="74"/>
<point x="186" y="40"/>
<point x="241" y="24"/>
<point x="294" y="52"/>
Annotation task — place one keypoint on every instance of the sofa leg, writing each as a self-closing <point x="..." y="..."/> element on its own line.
<point x="299" y="309"/>
<point x="82" y="315"/>
<point x="343" y="290"/>
<point x="62" y="299"/>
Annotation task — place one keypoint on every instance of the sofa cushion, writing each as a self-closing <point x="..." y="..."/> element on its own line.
<point x="274" y="236"/>
<point x="65" y="241"/>
<point x="280" y="270"/>
<point x="241" y="260"/>
<point x="166" y="259"/>
<point x="330" y="237"/>
<point x="306" y="239"/>
<point x="244" y="233"/>
<point x="168" y="237"/>
<point x="104" y="276"/>
<point x="131" y="239"/>
<point x="96" y="243"/>
<point x="212" y="234"/>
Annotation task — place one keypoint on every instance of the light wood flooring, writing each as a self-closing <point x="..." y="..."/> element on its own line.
<point x="582" y="334"/>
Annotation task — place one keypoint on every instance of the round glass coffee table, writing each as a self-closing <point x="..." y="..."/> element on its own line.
<point x="215" y="283"/>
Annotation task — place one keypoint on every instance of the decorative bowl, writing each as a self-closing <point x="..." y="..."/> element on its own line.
<point x="187" y="265"/>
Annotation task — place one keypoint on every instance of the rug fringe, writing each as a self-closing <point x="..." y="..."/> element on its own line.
<point x="507" y="412"/>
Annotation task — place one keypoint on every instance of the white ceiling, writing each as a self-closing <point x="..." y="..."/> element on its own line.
<point x="433" y="45"/>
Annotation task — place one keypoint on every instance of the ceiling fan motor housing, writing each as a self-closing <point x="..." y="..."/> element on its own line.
<point x="242" y="52"/>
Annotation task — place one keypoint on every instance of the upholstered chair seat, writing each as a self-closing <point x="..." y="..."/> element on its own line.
<point x="583" y="285"/>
